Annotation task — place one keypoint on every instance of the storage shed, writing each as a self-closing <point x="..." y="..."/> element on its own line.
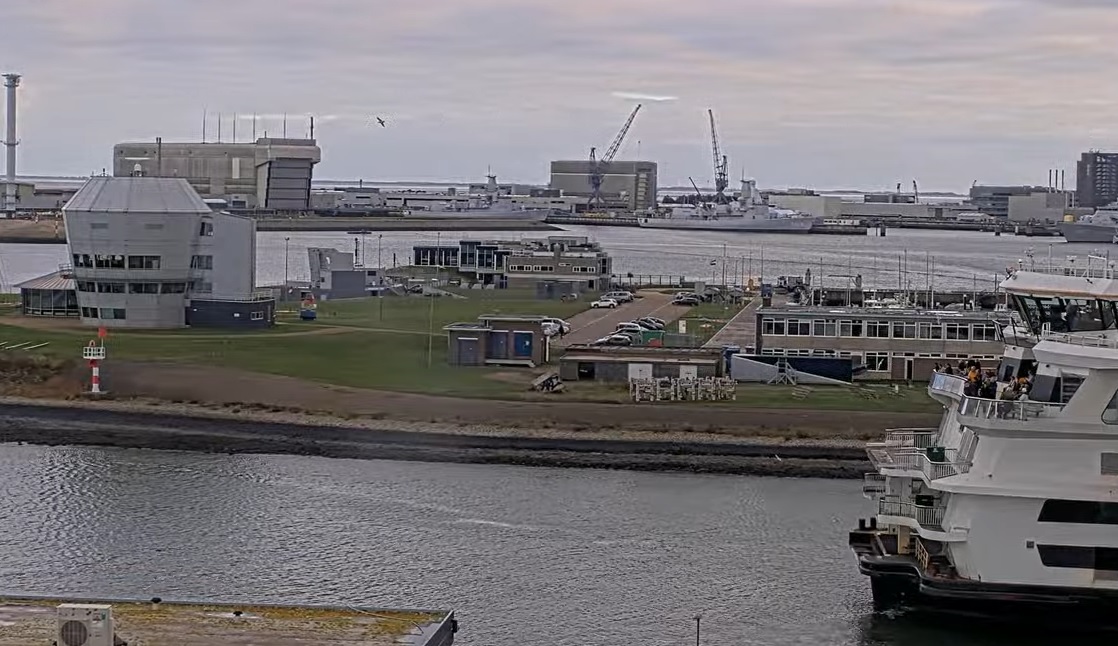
<point x="498" y="340"/>
<point x="620" y="364"/>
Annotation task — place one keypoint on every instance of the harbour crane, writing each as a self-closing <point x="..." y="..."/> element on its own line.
<point x="721" y="179"/>
<point x="598" y="167"/>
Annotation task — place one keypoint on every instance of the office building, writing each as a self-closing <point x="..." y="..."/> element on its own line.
<point x="149" y="253"/>
<point x="1097" y="179"/>
<point x="272" y="174"/>
<point x="625" y="184"/>
<point x="994" y="200"/>
<point x="335" y="274"/>
<point x="553" y="266"/>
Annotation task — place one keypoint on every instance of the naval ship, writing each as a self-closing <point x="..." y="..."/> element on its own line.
<point x="750" y="214"/>
<point x="1101" y="226"/>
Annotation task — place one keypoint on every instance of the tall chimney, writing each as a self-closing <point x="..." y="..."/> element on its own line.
<point x="11" y="82"/>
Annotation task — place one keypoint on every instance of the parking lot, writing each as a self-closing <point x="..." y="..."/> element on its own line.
<point x="594" y="324"/>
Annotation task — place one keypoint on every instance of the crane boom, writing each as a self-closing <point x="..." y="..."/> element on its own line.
<point x="598" y="165"/>
<point x="721" y="175"/>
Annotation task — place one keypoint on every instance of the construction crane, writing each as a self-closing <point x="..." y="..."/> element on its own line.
<point x="598" y="167"/>
<point x="721" y="179"/>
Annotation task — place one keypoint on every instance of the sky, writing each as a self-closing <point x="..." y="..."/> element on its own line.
<point x="807" y="93"/>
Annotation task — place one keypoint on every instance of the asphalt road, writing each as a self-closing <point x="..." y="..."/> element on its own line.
<point x="594" y="324"/>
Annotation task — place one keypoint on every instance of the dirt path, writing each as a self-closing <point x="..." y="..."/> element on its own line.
<point x="222" y="386"/>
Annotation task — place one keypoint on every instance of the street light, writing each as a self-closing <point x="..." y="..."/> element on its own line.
<point x="286" y="259"/>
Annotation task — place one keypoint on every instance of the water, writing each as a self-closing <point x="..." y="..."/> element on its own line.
<point x="527" y="555"/>
<point x="967" y="260"/>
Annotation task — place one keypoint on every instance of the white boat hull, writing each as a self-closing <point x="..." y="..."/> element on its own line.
<point x="734" y="224"/>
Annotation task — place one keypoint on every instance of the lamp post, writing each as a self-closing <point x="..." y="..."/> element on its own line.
<point x="380" y="280"/>
<point x="286" y="259"/>
<point x="431" y="324"/>
<point x="698" y="620"/>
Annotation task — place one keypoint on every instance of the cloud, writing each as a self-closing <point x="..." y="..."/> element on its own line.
<point x="807" y="92"/>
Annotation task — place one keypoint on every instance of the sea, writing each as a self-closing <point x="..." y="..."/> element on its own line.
<point x="562" y="557"/>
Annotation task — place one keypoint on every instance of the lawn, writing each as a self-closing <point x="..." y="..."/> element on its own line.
<point x="707" y="319"/>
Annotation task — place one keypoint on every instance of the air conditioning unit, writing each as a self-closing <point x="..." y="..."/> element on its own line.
<point x="84" y="624"/>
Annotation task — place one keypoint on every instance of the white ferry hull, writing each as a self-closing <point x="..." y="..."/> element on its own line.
<point x="1083" y="232"/>
<point x="733" y="224"/>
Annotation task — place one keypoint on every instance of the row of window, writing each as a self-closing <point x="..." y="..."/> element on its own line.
<point x="577" y="269"/>
<point x="773" y="326"/>
<point x="1066" y="314"/>
<point x="876" y="361"/>
<point x="113" y="287"/>
<point x="105" y="313"/>
<point x="113" y="261"/>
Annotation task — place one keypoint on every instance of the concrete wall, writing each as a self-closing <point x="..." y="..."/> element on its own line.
<point x="233" y="249"/>
<point x="821" y="206"/>
<point x="1042" y="207"/>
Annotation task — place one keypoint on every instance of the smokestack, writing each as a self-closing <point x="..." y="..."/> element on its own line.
<point x="1049" y="180"/>
<point x="1063" y="180"/>
<point x="11" y="82"/>
<point x="159" y="156"/>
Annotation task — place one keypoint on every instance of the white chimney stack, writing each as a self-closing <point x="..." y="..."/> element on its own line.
<point x="11" y="82"/>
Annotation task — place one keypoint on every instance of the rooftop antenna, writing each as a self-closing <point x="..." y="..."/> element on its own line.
<point x="203" y="125"/>
<point x="254" y="128"/>
<point x="312" y="127"/>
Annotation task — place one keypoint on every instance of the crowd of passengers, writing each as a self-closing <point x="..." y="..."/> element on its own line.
<point x="983" y="383"/>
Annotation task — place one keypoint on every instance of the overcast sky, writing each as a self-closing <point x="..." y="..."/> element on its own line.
<point x="821" y="93"/>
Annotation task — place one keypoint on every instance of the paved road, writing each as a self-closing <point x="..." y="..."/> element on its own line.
<point x="594" y="324"/>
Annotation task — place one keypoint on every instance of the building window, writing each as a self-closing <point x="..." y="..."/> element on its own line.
<point x="201" y="286"/>
<point x="822" y="327"/>
<point x="851" y="329"/>
<point x="83" y="260"/>
<point x="877" y="329"/>
<point x="904" y="330"/>
<point x="877" y="361"/>
<point x="144" y="262"/>
<point x="1087" y="512"/>
<point x="985" y="332"/>
<point x="112" y="313"/>
<point x="110" y="288"/>
<point x="798" y="328"/>
<point x="257" y="316"/>
<point x="143" y="288"/>
<point x="173" y="288"/>
<point x="956" y="331"/>
<point x="930" y="331"/>
<point x="1080" y="558"/>
<point x="98" y="225"/>
<point x="207" y="228"/>
<point x="87" y="286"/>
<point x="108" y="262"/>
<point x="89" y="312"/>
<point x="202" y="262"/>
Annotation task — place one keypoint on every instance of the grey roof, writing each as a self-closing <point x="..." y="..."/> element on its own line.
<point x="56" y="280"/>
<point x="136" y="194"/>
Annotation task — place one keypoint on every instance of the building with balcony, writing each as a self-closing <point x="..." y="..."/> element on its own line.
<point x="551" y="266"/>
<point x="1096" y="182"/>
<point x="1009" y="505"/>
<point x="148" y="252"/>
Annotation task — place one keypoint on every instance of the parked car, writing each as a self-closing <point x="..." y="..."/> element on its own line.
<point x="655" y="323"/>
<point x="614" y="339"/>
<point x="563" y="325"/>
<point x="659" y="321"/>
<point x="629" y="327"/>
<point x="645" y="325"/>
<point x="549" y="328"/>
<point x="620" y="297"/>
<point x="690" y="300"/>
<point x="604" y="302"/>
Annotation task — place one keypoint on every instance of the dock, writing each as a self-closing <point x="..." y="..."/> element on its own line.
<point x="31" y="620"/>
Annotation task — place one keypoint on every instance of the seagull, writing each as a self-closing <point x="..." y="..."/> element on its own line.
<point x="381" y="122"/>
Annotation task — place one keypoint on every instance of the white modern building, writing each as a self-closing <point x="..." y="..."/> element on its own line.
<point x="148" y="252"/>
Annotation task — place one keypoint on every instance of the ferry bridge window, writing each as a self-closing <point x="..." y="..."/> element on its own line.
<point x="1088" y="512"/>
<point x="1030" y="312"/>
<point x="1079" y="557"/>
<point x="1110" y="413"/>
<point x="1082" y="315"/>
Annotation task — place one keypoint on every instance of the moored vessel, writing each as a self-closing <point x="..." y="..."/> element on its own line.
<point x="1100" y="226"/>
<point x="749" y="214"/>
<point x="1009" y="507"/>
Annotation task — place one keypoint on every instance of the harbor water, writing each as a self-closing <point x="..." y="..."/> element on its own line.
<point x="903" y="258"/>
<point x="526" y="555"/>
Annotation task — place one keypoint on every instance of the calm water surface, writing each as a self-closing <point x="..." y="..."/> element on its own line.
<point x="527" y="555"/>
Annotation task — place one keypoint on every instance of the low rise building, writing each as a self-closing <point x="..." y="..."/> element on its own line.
<point x="621" y="364"/>
<point x="552" y="266"/>
<point x="994" y="200"/>
<point x="1044" y="206"/>
<point x="149" y="253"/>
<point x="334" y="274"/>
<point x="498" y="340"/>
<point x="892" y="344"/>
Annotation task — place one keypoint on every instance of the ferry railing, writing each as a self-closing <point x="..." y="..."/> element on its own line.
<point x="930" y="517"/>
<point x="916" y="438"/>
<point x="1081" y="339"/>
<point x="873" y="485"/>
<point x="945" y="383"/>
<point x="1021" y="410"/>
<point x="919" y="461"/>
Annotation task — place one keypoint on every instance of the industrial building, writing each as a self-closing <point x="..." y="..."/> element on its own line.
<point x="1047" y="206"/>
<point x="149" y="253"/>
<point x="1097" y="179"/>
<point x="994" y="200"/>
<point x="625" y="184"/>
<point x="552" y="266"/>
<point x="271" y="174"/>
<point x="335" y="274"/>
<point x="622" y="364"/>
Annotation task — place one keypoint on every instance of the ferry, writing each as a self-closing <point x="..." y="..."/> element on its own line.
<point x="1009" y="508"/>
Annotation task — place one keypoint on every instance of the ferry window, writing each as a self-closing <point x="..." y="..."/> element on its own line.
<point x="1079" y="557"/>
<point x="1108" y="464"/>
<point x="1083" y="315"/>
<point x="877" y="361"/>
<point x="1029" y="310"/>
<point x="877" y="329"/>
<point x="957" y="331"/>
<point x="1087" y="512"/>
<point x="904" y="330"/>
<point x="1108" y="314"/>
<point x="1110" y="413"/>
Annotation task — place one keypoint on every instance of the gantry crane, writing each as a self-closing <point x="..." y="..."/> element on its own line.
<point x="721" y="178"/>
<point x="598" y="167"/>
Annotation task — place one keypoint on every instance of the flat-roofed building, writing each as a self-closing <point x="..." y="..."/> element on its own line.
<point x="625" y="184"/>
<point x="553" y="266"/>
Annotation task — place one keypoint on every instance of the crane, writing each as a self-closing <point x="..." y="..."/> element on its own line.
<point x="721" y="180"/>
<point x="598" y="167"/>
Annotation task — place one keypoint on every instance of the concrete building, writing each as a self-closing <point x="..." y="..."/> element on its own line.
<point x="1044" y="206"/>
<point x="834" y="207"/>
<point x="272" y="174"/>
<point x="498" y="340"/>
<point x="148" y="253"/>
<point x="29" y="196"/>
<point x="625" y="184"/>
<point x="552" y="266"/>
<point x="1096" y="182"/>
<point x="620" y="364"/>
<point x="994" y="200"/>
<point x="334" y="274"/>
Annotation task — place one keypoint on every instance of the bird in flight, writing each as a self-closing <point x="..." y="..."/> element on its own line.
<point x="381" y="122"/>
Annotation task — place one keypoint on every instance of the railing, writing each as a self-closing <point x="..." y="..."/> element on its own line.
<point x="916" y="438"/>
<point x="930" y="517"/>
<point x="918" y="461"/>
<point x="1081" y="339"/>
<point x="1094" y="267"/>
<point x="873" y="485"/>
<point x="945" y="383"/>
<point x="1021" y="410"/>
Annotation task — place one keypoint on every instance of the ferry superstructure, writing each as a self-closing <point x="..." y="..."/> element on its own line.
<point x="1010" y="508"/>
<point x="750" y="214"/>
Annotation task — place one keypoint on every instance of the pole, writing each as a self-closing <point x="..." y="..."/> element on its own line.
<point x="698" y="633"/>
<point x="430" y="328"/>
<point x="723" y="265"/>
<point x="95" y="380"/>
<point x="762" y="276"/>
<point x="380" y="281"/>
<point x="286" y="258"/>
